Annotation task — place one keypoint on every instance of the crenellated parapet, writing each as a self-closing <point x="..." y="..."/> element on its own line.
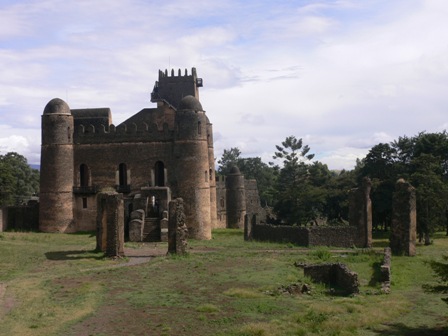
<point x="172" y="86"/>
<point x="125" y="132"/>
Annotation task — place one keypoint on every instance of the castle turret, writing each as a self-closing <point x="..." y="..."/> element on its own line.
<point x="56" y="168"/>
<point x="192" y="158"/>
<point x="236" y="199"/>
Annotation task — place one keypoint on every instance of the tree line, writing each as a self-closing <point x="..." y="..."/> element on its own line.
<point x="303" y="191"/>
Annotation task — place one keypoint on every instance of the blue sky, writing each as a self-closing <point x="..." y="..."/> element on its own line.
<point x="343" y="75"/>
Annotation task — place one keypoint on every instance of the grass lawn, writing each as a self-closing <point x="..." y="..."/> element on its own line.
<point x="54" y="284"/>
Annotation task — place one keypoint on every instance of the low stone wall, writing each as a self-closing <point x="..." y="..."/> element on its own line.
<point x="20" y="218"/>
<point x="337" y="236"/>
<point x="334" y="274"/>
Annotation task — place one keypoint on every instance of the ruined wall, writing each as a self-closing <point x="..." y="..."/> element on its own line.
<point x="221" y="205"/>
<point x="338" y="236"/>
<point x="334" y="274"/>
<point x="22" y="217"/>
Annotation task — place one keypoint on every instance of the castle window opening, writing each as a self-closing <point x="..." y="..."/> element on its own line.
<point x="122" y="174"/>
<point x="84" y="178"/>
<point x="206" y="176"/>
<point x="68" y="133"/>
<point x="199" y="127"/>
<point x="84" y="202"/>
<point x="159" y="170"/>
<point x="211" y="174"/>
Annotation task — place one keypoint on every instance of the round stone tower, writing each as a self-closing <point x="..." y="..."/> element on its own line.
<point x="236" y="199"/>
<point x="56" y="168"/>
<point x="192" y="173"/>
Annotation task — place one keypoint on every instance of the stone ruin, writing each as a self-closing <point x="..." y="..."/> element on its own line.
<point x="110" y="224"/>
<point x="177" y="228"/>
<point x="404" y="219"/>
<point x="358" y="233"/>
<point x="360" y="212"/>
<point x="337" y="275"/>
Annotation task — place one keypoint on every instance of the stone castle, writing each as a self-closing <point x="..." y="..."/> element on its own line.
<point x="156" y="155"/>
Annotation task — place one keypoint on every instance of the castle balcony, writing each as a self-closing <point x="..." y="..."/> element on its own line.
<point x="124" y="189"/>
<point x="85" y="190"/>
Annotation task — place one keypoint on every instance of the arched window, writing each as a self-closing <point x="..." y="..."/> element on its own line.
<point x="84" y="175"/>
<point x="199" y="127"/>
<point x="159" y="170"/>
<point x="122" y="175"/>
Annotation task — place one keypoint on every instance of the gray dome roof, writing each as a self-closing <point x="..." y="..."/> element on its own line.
<point x="57" y="106"/>
<point x="190" y="103"/>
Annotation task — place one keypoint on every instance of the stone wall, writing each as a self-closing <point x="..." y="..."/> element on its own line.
<point x="334" y="274"/>
<point x="360" y="212"/>
<point x="337" y="236"/>
<point x="20" y="218"/>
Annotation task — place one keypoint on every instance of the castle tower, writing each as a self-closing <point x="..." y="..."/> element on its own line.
<point x="192" y="157"/>
<point x="172" y="89"/>
<point x="211" y="162"/>
<point x="236" y="199"/>
<point x="56" y="168"/>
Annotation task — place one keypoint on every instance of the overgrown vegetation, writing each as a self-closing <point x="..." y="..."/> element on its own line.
<point x="303" y="191"/>
<point x="55" y="284"/>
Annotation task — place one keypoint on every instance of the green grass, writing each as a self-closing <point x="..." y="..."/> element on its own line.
<point x="57" y="285"/>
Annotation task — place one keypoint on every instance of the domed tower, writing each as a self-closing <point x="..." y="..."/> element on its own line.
<point x="56" y="168"/>
<point x="192" y="172"/>
<point x="236" y="199"/>
<point x="211" y="163"/>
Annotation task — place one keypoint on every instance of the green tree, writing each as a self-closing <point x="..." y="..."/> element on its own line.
<point x="299" y="201"/>
<point x="17" y="179"/>
<point x="228" y="159"/>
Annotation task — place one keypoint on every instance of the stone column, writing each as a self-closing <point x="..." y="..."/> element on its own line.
<point x="110" y="224"/>
<point x="404" y="219"/>
<point x="360" y="212"/>
<point x="177" y="228"/>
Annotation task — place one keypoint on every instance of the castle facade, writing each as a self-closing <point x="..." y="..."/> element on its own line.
<point x="156" y="155"/>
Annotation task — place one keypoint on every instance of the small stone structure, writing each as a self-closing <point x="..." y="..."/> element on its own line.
<point x="177" y="229"/>
<point x="404" y="219"/>
<point x="385" y="271"/>
<point x="110" y="224"/>
<point x="136" y="225"/>
<point x="334" y="274"/>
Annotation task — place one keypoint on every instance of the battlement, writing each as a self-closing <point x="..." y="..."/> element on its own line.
<point x="125" y="132"/>
<point x="171" y="88"/>
<point x="164" y="74"/>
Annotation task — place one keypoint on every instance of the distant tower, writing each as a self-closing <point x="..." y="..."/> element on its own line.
<point x="191" y="152"/>
<point x="236" y="199"/>
<point x="172" y="88"/>
<point x="56" y="168"/>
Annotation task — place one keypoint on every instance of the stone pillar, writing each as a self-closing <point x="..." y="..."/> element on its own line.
<point x="404" y="219"/>
<point x="236" y="199"/>
<point x="164" y="227"/>
<point x="110" y="224"/>
<point x="360" y="212"/>
<point x="136" y="225"/>
<point x="177" y="228"/>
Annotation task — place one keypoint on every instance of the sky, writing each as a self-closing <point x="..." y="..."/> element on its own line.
<point x="343" y="75"/>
